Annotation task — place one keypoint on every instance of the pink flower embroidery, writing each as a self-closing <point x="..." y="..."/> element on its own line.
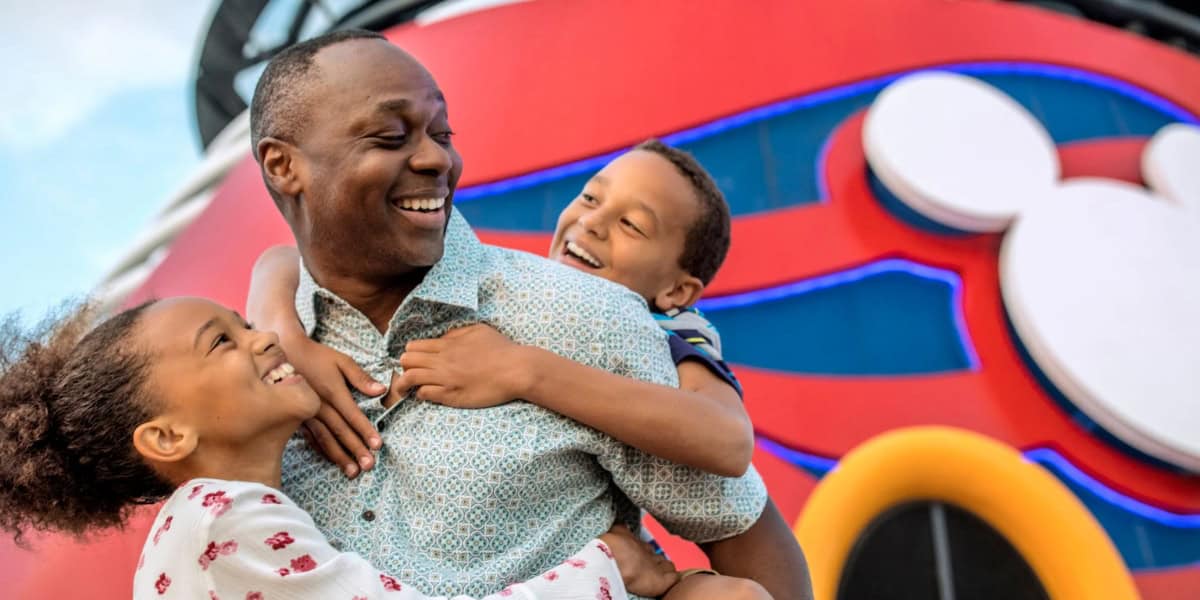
<point x="254" y="596"/>
<point x="162" y="529"/>
<point x="303" y="563"/>
<point x="213" y="551"/>
<point x="508" y="591"/>
<point x="359" y="598"/>
<point x="162" y="584"/>
<point x="389" y="583"/>
<point x="605" y="593"/>
<point x="271" y="499"/>
<point x="279" y="541"/>
<point x="218" y="502"/>
<point x="578" y="563"/>
<point x="141" y="561"/>
<point x="213" y="595"/>
<point x="604" y="549"/>
<point x="195" y="492"/>
<point x="551" y="576"/>
<point x="283" y="572"/>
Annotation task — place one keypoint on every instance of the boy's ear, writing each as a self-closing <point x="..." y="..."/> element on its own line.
<point x="684" y="292"/>
<point x="282" y="165"/>
<point x="162" y="440"/>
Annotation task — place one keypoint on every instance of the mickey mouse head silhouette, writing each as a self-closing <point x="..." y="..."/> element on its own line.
<point x="1100" y="278"/>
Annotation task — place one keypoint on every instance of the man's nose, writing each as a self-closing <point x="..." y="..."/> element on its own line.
<point x="431" y="158"/>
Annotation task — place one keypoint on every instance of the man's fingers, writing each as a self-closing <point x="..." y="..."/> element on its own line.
<point x="357" y="377"/>
<point x="433" y="346"/>
<point x="329" y="446"/>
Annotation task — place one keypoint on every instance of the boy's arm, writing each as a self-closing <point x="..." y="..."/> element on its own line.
<point x="340" y="430"/>
<point x="767" y="553"/>
<point x="702" y="424"/>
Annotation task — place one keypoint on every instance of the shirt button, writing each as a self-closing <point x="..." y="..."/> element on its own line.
<point x="368" y="515"/>
<point x="380" y="426"/>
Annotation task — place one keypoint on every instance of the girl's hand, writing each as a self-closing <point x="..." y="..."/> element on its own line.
<point x="645" y="573"/>
<point x="340" y="431"/>
<point x="469" y="367"/>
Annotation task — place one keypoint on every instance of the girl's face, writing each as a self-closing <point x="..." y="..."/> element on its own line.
<point x="219" y="379"/>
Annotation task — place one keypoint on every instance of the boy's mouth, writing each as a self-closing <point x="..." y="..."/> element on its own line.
<point x="577" y="252"/>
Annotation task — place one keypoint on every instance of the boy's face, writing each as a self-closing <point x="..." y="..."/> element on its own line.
<point x="629" y="224"/>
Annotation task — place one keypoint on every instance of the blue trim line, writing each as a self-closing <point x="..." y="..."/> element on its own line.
<point x="849" y="276"/>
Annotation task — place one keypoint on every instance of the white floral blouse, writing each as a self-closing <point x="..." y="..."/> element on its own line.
<point x="235" y="540"/>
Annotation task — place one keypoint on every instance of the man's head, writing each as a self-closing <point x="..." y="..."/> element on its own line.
<point x="652" y="220"/>
<point x="353" y="138"/>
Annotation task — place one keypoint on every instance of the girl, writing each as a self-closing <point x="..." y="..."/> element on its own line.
<point x="181" y="399"/>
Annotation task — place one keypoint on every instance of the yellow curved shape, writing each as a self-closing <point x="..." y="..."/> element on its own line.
<point x="1062" y="542"/>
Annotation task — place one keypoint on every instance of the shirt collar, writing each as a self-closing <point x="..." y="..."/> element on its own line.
<point x="454" y="280"/>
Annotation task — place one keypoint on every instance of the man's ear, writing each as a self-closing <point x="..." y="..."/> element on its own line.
<point x="161" y="440"/>
<point x="685" y="291"/>
<point x="282" y="166"/>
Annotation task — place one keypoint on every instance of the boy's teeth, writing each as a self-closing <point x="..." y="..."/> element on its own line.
<point x="422" y="203"/>
<point x="279" y="373"/>
<point x="583" y="255"/>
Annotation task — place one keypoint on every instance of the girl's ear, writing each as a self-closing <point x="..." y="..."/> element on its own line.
<point x="684" y="292"/>
<point x="162" y="440"/>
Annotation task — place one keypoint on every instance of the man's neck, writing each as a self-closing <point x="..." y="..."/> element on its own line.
<point x="377" y="300"/>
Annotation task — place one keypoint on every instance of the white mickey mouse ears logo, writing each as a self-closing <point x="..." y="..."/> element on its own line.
<point x="1101" y="278"/>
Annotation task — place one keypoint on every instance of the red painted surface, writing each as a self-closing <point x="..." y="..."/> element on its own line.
<point x="537" y="84"/>
<point x="1169" y="584"/>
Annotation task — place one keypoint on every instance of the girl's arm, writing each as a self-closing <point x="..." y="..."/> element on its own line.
<point x="274" y="549"/>
<point x="702" y="424"/>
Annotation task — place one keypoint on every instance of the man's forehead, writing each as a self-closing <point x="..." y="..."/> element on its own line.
<point x="365" y="60"/>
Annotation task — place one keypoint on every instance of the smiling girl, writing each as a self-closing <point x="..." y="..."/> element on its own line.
<point x="182" y="400"/>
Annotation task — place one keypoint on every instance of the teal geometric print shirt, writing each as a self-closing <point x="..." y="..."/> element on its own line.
<point x="468" y="501"/>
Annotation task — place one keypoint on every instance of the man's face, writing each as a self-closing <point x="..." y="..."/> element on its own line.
<point x="378" y="169"/>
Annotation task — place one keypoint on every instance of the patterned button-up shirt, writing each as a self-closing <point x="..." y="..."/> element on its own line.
<point x="467" y="501"/>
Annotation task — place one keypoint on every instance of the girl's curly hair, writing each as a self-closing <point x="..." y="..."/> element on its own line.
<point x="70" y="400"/>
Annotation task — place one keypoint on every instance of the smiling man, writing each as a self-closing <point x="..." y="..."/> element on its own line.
<point x="355" y="146"/>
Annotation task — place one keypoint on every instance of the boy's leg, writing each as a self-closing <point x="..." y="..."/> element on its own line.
<point x="767" y="553"/>
<point x="702" y="586"/>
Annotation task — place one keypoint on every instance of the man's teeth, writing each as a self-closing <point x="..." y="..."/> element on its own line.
<point x="422" y="203"/>
<point x="279" y="373"/>
<point x="577" y="251"/>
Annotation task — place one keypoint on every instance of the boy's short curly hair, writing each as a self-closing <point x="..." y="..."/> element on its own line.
<point x="708" y="239"/>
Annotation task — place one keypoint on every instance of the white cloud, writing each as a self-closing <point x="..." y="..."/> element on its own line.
<point x="64" y="58"/>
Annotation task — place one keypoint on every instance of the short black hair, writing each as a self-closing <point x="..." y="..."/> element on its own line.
<point x="279" y="102"/>
<point x="707" y="241"/>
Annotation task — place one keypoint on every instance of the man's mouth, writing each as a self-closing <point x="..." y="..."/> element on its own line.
<point x="422" y="204"/>
<point x="577" y="252"/>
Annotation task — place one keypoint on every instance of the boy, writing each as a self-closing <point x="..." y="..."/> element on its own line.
<point x="652" y="220"/>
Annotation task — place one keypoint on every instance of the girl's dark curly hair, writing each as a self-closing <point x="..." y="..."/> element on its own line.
<point x="70" y="400"/>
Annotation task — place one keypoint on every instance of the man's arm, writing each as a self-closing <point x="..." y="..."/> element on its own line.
<point x="340" y="430"/>
<point x="767" y="553"/>
<point x="701" y="424"/>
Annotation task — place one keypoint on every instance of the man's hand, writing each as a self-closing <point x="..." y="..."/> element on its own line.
<point x="644" y="572"/>
<point x="340" y="431"/>
<point x="469" y="367"/>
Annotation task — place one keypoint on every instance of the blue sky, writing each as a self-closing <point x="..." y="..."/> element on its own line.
<point x="95" y="132"/>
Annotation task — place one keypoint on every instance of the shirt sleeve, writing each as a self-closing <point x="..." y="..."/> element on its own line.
<point x="698" y="506"/>
<point x="262" y="545"/>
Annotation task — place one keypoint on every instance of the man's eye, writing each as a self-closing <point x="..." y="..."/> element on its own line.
<point x="391" y="140"/>
<point x="443" y="138"/>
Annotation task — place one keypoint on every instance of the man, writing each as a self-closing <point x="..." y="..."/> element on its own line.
<point x="355" y="146"/>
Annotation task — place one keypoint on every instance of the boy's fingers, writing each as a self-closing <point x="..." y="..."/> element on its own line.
<point x="460" y="331"/>
<point x="416" y="359"/>
<point x="432" y="393"/>
<point x="329" y="446"/>
<point x="432" y="346"/>
<point x="414" y="377"/>
<point x="359" y="378"/>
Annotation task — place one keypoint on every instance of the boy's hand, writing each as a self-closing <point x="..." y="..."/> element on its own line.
<point x="469" y="367"/>
<point x="645" y="573"/>
<point x="340" y="431"/>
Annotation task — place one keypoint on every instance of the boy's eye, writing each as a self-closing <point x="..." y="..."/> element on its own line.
<point x="590" y="199"/>
<point x="633" y="226"/>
